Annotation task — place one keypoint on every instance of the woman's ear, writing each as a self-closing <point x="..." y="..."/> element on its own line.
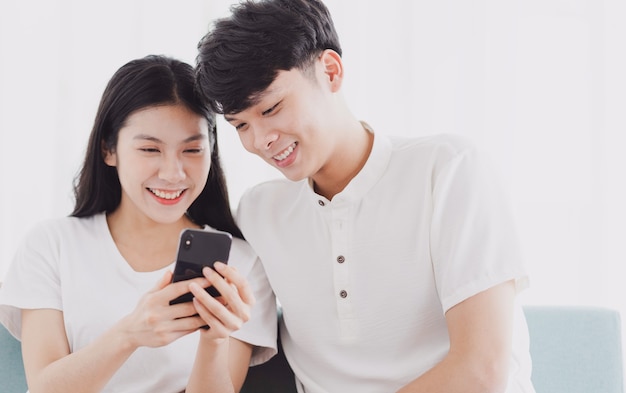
<point x="333" y="69"/>
<point x="109" y="157"/>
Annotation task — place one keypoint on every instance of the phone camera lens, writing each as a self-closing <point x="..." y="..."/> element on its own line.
<point x="187" y="241"/>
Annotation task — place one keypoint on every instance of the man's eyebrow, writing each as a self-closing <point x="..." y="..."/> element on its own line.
<point x="255" y="99"/>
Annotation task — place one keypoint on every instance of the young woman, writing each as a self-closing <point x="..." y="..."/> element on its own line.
<point x="89" y="295"/>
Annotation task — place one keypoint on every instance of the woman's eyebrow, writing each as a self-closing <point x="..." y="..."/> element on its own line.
<point x="196" y="137"/>
<point x="146" y="137"/>
<point x="154" y="139"/>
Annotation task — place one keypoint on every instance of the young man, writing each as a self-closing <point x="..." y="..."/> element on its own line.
<point x="394" y="259"/>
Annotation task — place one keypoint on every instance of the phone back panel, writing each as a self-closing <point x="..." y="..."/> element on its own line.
<point x="197" y="249"/>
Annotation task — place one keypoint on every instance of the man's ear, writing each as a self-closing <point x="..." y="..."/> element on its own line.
<point x="110" y="158"/>
<point x="333" y="69"/>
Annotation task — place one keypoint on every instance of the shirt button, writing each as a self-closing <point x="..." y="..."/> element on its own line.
<point x="341" y="259"/>
<point x="321" y="202"/>
<point x="343" y="294"/>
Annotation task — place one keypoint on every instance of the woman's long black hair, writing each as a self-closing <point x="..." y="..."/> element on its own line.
<point x="147" y="82"/>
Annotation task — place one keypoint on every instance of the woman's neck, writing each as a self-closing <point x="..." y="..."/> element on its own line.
<point x="146" y="245"/>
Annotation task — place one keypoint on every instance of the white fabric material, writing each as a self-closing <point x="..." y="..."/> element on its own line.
<point x="422" y="227"/>
<point x="73" y="265"/>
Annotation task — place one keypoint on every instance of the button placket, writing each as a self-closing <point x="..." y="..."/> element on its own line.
<point x="341" y="269"/>
<point x="340" y="234"/>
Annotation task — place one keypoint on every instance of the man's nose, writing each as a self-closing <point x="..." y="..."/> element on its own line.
<point x="264" y="137"/>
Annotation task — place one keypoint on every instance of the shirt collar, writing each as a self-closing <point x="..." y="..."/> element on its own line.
<point x="369" y="175"/>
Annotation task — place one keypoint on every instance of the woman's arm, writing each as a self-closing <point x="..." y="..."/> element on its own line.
<point x="51" y="367"/>
<point x="222" y="362"/>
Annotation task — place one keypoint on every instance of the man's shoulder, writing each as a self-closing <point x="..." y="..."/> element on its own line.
<point x="449" y="143"/>
<point x="271" y="190"/>
<point x="269" y="203"/>
<point x="428" y="152"/>
<point x="270" y="193"/>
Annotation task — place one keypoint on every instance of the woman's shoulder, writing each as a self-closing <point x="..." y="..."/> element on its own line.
<point x="243" y="248"/>
<point x="238" y="246"/>
<point x="241" y="253"/>
<point x="61" y="227"/>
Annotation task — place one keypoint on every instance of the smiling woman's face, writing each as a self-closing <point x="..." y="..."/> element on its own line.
<point x="163" y="159"/>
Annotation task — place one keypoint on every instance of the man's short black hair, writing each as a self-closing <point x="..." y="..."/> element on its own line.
<point x="241" y="56"/>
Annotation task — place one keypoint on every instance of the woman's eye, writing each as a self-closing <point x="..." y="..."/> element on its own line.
<point x="194" y="150"/>
<point x="149" y="149"/>
<point x="241" y="126"/>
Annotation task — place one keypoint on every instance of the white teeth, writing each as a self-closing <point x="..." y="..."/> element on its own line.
<point x="166" y="195"/>
<point x="285" y="153"/>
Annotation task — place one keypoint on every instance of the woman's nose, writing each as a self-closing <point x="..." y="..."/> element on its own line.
<point x="172" y="169"/>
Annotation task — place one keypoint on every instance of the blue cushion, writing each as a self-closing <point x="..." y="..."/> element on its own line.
<point x="12" y="379"/>
<point x="575" y="349"/>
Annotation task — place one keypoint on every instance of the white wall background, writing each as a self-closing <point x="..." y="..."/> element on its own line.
<point x="539" y="84"/>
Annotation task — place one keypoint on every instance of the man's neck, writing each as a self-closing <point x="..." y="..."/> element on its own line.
<point x="336" y="176"/>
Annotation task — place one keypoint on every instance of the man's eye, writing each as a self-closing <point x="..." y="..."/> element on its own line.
<point x="269" y="111"/>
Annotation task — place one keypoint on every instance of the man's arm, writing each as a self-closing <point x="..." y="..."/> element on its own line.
<point x="480" y="330"/>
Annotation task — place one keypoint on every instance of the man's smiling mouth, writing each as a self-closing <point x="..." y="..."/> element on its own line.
<point x="286" y="152"/>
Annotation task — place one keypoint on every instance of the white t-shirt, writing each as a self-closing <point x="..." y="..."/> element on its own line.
<point x="73" y="265"/>
<point x="365" y="280"/>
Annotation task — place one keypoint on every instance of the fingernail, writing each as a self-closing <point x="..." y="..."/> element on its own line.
<point x="219" y="265"/>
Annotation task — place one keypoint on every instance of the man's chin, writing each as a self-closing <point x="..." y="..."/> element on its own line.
<point x="295" y="177"/>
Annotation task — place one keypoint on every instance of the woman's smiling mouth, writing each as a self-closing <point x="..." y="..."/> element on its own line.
<point x="169" y="195"/>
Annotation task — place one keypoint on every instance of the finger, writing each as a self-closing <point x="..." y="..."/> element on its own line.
<point x="212" y="311"/>
<point x="176" y="289"/>
<point x="216" y="327"/>
<point x="189" y="323"/>
<point x="237" y="295"/>
<point x="163" y="282"/>
<point x="181" y="310"/>
<point x="231" y="274"/>
<point x="221" y="284"/>
<point x="230" y="294"/>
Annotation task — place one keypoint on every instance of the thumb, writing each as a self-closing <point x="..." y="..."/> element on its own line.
<point x="163" y="282"/>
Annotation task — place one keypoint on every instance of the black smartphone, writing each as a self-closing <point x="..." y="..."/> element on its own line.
<point x="198" y="248"/>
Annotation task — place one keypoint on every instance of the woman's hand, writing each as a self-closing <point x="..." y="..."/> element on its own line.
<point x="155" y="322"/>
<point x="227" y="313"/>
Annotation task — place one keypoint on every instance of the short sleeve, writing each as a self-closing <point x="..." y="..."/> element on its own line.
<point x="261" y="330"/>
<point x="474" y="242"/>
<point x="32" y="280"/>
